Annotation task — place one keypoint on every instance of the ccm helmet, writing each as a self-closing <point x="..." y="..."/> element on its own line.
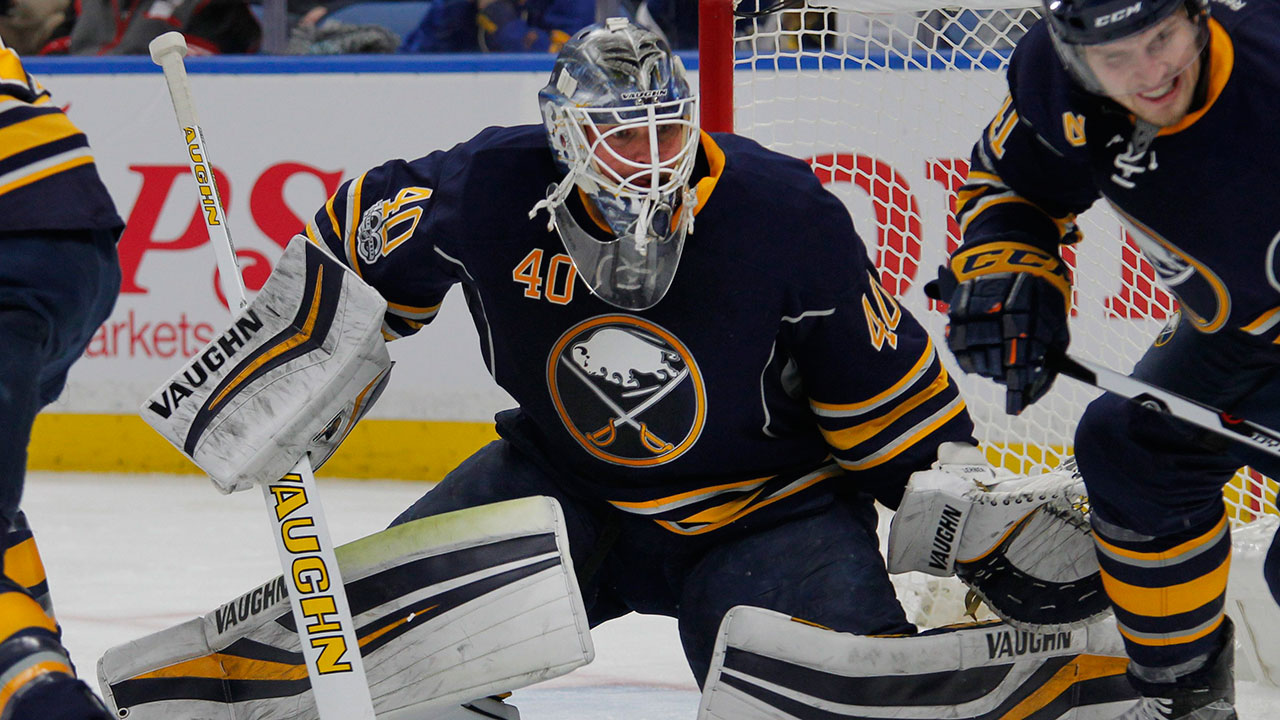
<point x="1113" y="47"/>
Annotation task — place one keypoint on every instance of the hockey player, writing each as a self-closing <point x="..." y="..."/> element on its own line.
<point x="715" y="434"/>
<point x="59" y="277"/>
<point x="1166" y="112"/>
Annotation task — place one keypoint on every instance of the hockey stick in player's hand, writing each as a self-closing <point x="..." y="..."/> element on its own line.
<point x="323" y="620"/>
<point x="1209" y="418"/>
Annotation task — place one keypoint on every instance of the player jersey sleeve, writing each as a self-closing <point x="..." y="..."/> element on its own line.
<point x="389" y="225"/>
<point x="879" y="392"/>
<point x="48" y="179"/>
<point x="1028" y="172"/>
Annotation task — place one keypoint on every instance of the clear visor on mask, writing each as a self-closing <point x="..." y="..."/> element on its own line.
<point x="635" y="270"/>
<point x="1143" y="63"/>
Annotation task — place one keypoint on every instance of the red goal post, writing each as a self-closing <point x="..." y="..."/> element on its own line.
<point x="885" y="99"/>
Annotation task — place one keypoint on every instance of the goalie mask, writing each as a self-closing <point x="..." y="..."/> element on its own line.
<point x="622" y="123"/>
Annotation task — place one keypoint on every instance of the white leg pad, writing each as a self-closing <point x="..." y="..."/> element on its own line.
<point x="447" y="609"/>
<point x="768" y="666"/>
<point x="1251" y="605"/>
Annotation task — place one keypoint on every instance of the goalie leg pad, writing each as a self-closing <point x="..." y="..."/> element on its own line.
<point x="1023" y="543"/>
<point x="1250" y="603"/>
<point x="769" y="666"/>
<point x="447" y="609"/>
<point x="290" y="376"/>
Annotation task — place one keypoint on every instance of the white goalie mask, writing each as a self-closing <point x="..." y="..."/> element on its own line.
<point x="623" y="125"/>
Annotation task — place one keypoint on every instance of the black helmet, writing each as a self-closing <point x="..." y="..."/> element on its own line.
<point x="1078" y="24"/>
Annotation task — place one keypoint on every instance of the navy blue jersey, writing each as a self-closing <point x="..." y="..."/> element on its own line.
<point x="1197" y="200"/>
<point x="776" y="360"/>
<point x="47" y="177"/>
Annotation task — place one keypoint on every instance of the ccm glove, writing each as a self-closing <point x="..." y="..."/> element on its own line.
<point x="1009" y="304"/>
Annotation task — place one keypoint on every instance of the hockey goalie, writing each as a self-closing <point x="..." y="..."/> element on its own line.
<point x="692" y="441"/>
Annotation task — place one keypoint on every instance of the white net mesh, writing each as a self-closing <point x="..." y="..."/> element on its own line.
<point x="886" y="106"/>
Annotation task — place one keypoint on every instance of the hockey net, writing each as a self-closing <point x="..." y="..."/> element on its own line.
<point x="885" y="99"/>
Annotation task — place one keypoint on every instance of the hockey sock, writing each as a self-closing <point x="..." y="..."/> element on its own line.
<point x="22" y="562"/>
<point x="1168" y="592"/>
<point x="36" y="677"/>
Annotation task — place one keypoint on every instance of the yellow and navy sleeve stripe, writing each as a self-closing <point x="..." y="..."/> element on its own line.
<point x="337" y="227"/>
<point x="704" y="509"/>
<point x="874" y="430"/>
<point x="985" y="202"/>
<point x="44" y="160"/>
<point x="1169" y="593"/>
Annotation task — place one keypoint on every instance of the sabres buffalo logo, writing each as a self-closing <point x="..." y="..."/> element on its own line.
<point x="627" y="390"/>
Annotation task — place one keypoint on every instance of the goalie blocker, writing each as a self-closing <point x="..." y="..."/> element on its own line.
<point x="291" y="375"/>
<point x="447" y="608"/>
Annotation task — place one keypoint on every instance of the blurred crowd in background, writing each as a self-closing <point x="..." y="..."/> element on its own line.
<point x="124" y="27"/>
<point x="334" y="27"/>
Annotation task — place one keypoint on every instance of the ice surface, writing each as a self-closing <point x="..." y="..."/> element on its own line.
<point x="128" y="555"/>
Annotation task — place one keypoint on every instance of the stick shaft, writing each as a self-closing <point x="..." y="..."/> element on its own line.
<point x="211" y="207"/>
<point x="1210" y="418"/>
<point x="317" y="595"/>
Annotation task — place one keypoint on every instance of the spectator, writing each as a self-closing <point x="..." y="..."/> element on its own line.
<point x="499" y="25"/>
<point x="211" y="26"/>
<point x="26" y="25"/>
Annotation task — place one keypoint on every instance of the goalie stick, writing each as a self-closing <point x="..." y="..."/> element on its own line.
<point x="1160" y="400"/>
<point x="316" y="592"/>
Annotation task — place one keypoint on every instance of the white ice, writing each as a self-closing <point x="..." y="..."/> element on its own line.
<point x="127" y="555"/>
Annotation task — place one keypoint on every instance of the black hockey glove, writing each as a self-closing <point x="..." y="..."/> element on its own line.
<point x="1009" y="306"/>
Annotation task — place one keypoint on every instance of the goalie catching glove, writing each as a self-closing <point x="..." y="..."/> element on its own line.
<point x="1023" y="544"/>
<point x="290" y="376"/>
<point x="1008" y="310"/>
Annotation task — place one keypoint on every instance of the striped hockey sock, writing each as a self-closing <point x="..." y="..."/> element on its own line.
<point x="1168" y="593"/>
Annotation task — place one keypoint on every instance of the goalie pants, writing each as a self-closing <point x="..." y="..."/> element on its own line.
<point x="55" y="290"/>
<point x="822" y="565"/>
<point x="1156" y="488"/>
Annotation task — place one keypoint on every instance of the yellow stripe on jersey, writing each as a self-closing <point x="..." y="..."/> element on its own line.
<point x="34" y="132"/>
<point x="1264" y="323"/>
<point x="41" y="170"/>
<point x="413" y="312"/>
<point x="850" y="437"/>
<point x="800" y="484"/>
<point x="725" y="512"/>
<point x="906" y="440"/>
<point x="11" y="67"/>
<point x="650" y="507"/>
<point x="353" y="222"/>
<point x="1170" y="600"/>
<point x="333" y="222"/>
<point x="922" y="364"/>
